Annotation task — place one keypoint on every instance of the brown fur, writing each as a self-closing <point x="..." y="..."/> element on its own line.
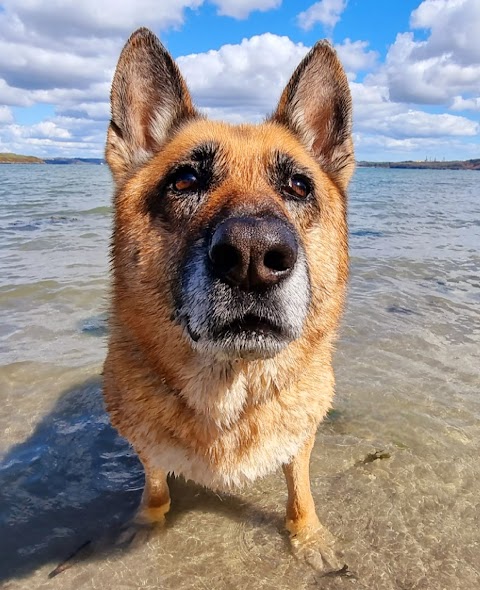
<point x="160" y="392"/>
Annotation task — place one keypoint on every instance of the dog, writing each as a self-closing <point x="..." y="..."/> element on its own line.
<point x="230" y="264"/>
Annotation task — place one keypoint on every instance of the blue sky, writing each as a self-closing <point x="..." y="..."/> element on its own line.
<point x="413" y="66"/>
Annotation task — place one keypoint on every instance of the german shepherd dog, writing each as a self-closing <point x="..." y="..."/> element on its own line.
<point x="230" y="264"/>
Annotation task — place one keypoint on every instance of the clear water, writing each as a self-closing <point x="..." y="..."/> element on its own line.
<point x="408" y="385"/>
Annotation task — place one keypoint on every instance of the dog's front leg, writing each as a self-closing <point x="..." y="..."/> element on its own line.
<point x="153" y="507"/>
<point x="156" y="496"/>
<point x="310" y="540"/>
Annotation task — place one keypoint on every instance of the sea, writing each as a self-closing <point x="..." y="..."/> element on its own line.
<point x="395" y="471"/>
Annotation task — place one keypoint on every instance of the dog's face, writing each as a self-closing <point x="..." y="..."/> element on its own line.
<point x="242" y="287"/>
<point x="230" y="239"/>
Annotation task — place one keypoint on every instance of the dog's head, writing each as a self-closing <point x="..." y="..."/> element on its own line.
<point x="229" y="240"/>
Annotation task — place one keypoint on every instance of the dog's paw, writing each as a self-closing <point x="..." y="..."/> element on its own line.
<point x="152" y="515"/>
<point x="135" y="533"/>
<point x="316" y="547"/>
<point x="148" y="521"/>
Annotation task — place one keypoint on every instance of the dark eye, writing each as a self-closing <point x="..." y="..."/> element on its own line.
<point x="298" y="186"/>
<point x="185" y="180"/>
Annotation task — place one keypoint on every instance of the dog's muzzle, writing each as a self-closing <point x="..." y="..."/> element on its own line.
<point x="245" y="288"/>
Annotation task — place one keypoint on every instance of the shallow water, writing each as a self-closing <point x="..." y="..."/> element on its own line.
<point x="407" y="381"/>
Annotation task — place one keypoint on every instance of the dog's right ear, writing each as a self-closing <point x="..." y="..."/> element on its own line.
<point x="149" y="99"/>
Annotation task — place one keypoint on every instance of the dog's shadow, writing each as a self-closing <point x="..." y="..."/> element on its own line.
<point x="73" y="480"/>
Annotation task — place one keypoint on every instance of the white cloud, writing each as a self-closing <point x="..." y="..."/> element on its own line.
<point x="5" y="115"/>
<point x="433" y="80"/>
<point x="326" y="12"/>
<point x="249" y="76"/>
<point x="92" y="17"/>
<point x="455" y="29"/>
<point x="374" y="114"/>
<point x="356" y="56"/>
<point x="381" y="147"/>
<point x="26" y="66"/>
<point x="13" y="96"/>
<point x="413" y="124"/>
<point x="44" y="129"/>
<point x="97" y="111"/>
<point x="371" y="103"/>
<point x="465" y="104"/>
<point x="447" y="63"/>
<point x="242" y="8"/>
<point x="56" y="136"/>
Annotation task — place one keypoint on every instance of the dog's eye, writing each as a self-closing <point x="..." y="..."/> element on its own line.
<point x="298" y="186"/>
<point x="185" y="180"/>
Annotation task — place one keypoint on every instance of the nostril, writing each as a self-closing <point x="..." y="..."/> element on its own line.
<point x="225" y="257"/>
<point x="278" y="260"/>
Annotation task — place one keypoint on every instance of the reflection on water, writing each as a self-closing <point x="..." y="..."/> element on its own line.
<point x="395" y="469"/>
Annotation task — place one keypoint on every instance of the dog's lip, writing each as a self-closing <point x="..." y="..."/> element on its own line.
<point x="250" y="323"/>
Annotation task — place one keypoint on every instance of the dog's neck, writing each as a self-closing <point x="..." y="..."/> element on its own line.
<point x="221" y="391"/>
<point x="218" y="391"/>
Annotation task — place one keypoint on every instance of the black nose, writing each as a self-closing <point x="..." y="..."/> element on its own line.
<point x="253" y="253"/>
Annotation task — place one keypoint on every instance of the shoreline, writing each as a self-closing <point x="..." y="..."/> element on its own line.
<point x="416" y="165"/>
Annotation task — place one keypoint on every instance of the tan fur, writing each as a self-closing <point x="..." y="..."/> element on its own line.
<point x="221" y="422"/>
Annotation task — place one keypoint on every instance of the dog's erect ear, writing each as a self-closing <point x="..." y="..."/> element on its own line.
<point x="316" y="105"/>
<point x="149" y="98"/>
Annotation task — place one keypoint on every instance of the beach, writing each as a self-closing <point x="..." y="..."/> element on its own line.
<point x="395" y="468"/>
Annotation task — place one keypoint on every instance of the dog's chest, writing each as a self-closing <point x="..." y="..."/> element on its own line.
<point x="249" y="430"/>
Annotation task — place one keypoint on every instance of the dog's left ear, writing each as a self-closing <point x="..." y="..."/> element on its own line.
<point x="149" y="99"/>
<point x="316" y="105"/>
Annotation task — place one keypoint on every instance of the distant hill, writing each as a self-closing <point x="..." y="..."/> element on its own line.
<point x="427" y="165"/>
<point x="62" y="161"/>
<point x="19" y="159"/>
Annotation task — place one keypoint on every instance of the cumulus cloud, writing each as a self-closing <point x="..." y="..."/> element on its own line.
<point x="56" y="136"/>
<point x="356" y="56"/>
<point x="384" y="147"/>
<point x="5" y="115"/>
<point x="446" y="64"/>
<point x="454" y="26"/>
<point x="242" y="8"/>
<point x="30" y="67"/>
<point x="249" y="76"/>
<point x="465" y="104"/>
<point x="111" y="17"/>
<point x="325" y="12"/>
<point x="13" y="96"/>
<point x="375" y="114"/>
<point x="413" y="124"/>
<point x="91" y="17"/>
<point x="244" y="81"/>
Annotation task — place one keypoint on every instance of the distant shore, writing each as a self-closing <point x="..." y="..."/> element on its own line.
<point x="409" y="164"/>
<point x="425" y="165"/>
<point x="7" y="158"/>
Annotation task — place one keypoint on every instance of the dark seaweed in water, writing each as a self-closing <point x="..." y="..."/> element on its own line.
<point x="401" y="310"/>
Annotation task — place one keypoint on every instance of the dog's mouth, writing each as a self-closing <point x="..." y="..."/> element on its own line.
<point x="250" y="325"/>
<point x="248" y="337"/>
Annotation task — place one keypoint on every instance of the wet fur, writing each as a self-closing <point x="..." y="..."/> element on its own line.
<point x="186" y="408"/>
